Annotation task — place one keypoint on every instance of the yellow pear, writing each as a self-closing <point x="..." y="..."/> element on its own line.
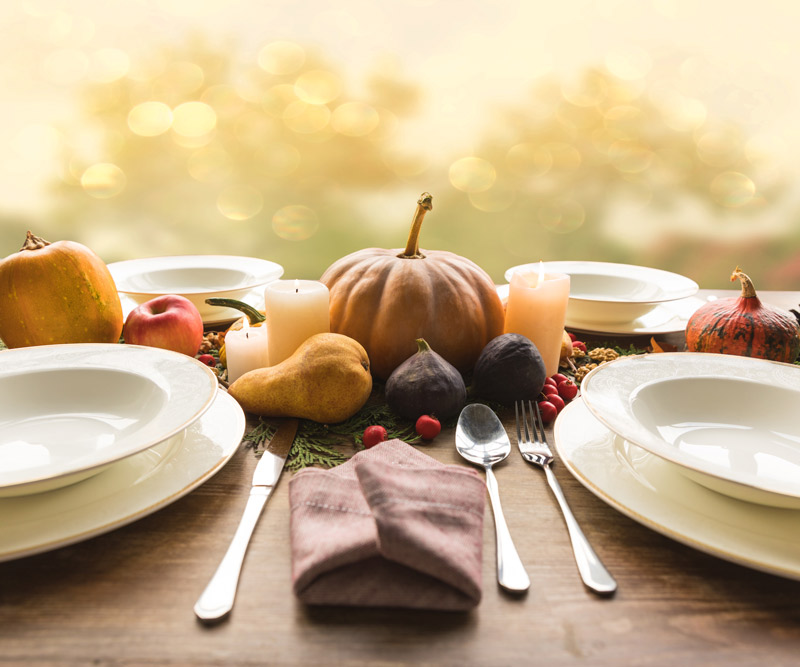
<point x="327" y="380"/>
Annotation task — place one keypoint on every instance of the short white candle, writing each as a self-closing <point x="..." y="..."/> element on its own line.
<point x="537" y="308"/>
<point x="296" y="310"/>
<point x="246" y="349"/>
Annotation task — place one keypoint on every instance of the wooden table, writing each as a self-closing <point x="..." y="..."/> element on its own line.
<point x="125" y="598"/>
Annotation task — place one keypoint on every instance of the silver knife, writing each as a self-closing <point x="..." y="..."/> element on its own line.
<point x="217" y="599"/>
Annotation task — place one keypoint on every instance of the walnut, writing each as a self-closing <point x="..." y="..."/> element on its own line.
<point x="583" y="371"/>
<point x="210" y="342"/>
<point x="601" y="354"/>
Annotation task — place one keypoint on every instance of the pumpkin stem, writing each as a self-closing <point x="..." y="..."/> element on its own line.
<point x="424" y="205"/>
<point x="33" y="242"/>
<point x="253" y="315"/>
<point x="748" y="289"/>
<point x="422" y="345"/>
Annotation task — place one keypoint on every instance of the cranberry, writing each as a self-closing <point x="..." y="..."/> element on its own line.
<point x="207" y="359"/>
<point x="567" y="390"/>
<point x="556" y="400"/>
<point x="550" y="389"/>
<point x="428" y="427"/>
<point x="559" y="377"/>
<point x="551" y="381"/>
<point x="579" y="345"/>
<point x="571" y="336"/>
<point x="373" y="435"/>
<point x="548" y="411"/>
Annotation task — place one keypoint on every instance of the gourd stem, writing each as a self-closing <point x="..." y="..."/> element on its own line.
<point x="424" y="205"/>
<point x="253" y="315"/>
<point x="422" y="345"/>
<point x="748" y="289"/>
<point x="33" y="242"/>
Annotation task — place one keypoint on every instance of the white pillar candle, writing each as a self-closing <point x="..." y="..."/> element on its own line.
<point x="246" y="349"/>
<point x="296" y="310"/>
<point x="537" y="308"/>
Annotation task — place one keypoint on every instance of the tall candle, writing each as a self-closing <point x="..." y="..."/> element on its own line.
<point x="537" y="308"/>
<point x="246" y="349"/>
<point x="296" y="310"/>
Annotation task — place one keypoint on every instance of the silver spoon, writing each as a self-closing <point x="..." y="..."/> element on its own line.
<point x="481" y="439"/>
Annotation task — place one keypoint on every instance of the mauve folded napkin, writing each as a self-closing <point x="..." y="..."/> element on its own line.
<point x="392" y="527"/>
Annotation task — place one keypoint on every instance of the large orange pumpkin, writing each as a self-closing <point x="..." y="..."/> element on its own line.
<point x="57" y="293"/>
<point x="387" y="299"/>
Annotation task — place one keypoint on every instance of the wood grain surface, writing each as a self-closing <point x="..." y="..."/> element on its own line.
<point x="125" y="598"/>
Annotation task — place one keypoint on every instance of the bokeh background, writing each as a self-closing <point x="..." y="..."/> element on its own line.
<point x="654" y="132"/>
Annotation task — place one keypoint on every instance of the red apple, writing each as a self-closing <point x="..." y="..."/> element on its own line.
<point x="170" y="322"/>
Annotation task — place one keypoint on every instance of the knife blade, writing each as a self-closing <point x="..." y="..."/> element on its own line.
<point x="218" y="597"/>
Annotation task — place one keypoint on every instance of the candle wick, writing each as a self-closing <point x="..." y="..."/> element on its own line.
<point x="297" y="290"/>
<point x="247" y="335"/>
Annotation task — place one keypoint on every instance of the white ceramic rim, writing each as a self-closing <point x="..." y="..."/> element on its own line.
<point x="607" y="390"/>
<point x="261" y="271"/>
<point x="127" y="491"/>
<point x="674" y="285"/>
<point x="191" y="387"/>
<point x="655" y="494"/>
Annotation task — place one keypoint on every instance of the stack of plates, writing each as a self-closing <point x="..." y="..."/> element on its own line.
<point x="704" y="448"/>
<point x="622" y="298"/>
<point x="93" y="436"/>
<point x="196" y="277"/>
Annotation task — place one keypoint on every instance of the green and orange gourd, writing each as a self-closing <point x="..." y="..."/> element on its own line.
<point x="744" y="326"/>
<point x="58" y="292"/>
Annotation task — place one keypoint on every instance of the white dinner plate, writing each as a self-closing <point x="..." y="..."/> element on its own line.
<point x="70" y="410"/>
<point x="652" y="492"/>
<point x="729" y="422"/>
<point x="124" y="492"/>
<point x="604" y="293"/>
<point x="196" y="277"/>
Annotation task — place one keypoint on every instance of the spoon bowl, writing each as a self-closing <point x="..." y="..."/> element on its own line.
<point x="482" y="440"/>
<point x="480" y="436"/>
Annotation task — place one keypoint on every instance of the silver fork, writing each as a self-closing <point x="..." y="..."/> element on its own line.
<point x="536" y="450"/>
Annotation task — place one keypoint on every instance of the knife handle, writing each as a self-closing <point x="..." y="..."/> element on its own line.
<point x="217" y="599"/>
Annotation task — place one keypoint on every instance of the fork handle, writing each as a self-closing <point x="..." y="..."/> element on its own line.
<point x="593" y="572"/>
<point x="511" y="574"/>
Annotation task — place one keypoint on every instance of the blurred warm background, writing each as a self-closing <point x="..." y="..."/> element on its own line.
<point x="656" y="132"/>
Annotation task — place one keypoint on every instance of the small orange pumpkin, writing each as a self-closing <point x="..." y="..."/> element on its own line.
<point x="57" y="293"/>
<point x="387" y="299"/>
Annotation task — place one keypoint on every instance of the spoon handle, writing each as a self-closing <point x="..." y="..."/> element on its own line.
<point x="511" y="574"/>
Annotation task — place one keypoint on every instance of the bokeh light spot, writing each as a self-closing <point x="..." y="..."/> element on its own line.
<point x="306" y="118"/>
<point x="224" y="99"/>
<point x="563" y="216"/>
<point x="317" y="86"/>
<point x="193" y="119"/>
<point x="719" y="147"/>
<point x="210" y="164"/>
<point x="630" y="157"/>
<point x="281" y="57"/>
<point x="497" y="198"/>
<point x="295" y="222"/>
<point x="240" y="202"/>
<point x="108" y="65"/>
<point x="529" y="159"/>
<point x="103" y="180"/>
<point x="472" y="174"/>
<point x="354" y="119"/>
<point x="277" y="99"/>
<point x="180" y="77"/>
<point x="564" y="157"/>
<point x="278" y="159"/>
<point x="732" y="189"/>
<point x="405" y="164"/>
<point x="149" y="119"/>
